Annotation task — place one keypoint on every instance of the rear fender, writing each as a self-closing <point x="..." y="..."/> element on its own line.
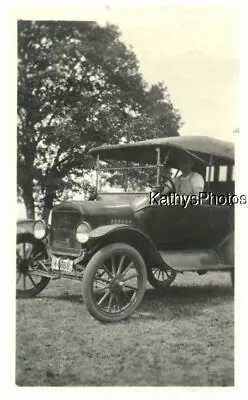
<point x="104" y="235"/>
<point x="226" y="249"/>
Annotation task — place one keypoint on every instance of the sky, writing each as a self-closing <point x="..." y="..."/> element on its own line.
<point x="194" y="50"/>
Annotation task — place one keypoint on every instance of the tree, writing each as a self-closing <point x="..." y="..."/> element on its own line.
<point x="78" y="86"/>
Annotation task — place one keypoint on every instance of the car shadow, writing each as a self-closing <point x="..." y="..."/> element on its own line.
<point x="178" y="301"/>
<point x="73" y="298"/>
<point x="173" y="295"/>
<point x="189" y="294"/>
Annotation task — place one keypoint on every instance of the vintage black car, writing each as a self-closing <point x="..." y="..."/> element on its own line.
<point x="119" y="241"/>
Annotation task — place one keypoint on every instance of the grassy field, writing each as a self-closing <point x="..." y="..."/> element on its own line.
<point x="181" y="337"/>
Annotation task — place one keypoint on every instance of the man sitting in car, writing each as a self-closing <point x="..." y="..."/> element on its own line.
<point x="189" y="182"/>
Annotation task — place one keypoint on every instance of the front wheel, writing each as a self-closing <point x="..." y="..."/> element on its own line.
<point x="114" y="282"/>
<point x="28" y="252"/>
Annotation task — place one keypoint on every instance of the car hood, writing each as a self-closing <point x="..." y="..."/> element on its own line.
<point x="100" y="212"/>
<point x="93" y="207"/>
<point x="106" y="206"/>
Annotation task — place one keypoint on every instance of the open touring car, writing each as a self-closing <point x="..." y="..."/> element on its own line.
<point x="119" y="241"/>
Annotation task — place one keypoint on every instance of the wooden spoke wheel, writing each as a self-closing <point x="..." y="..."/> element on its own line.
<point x="114" y="282"/>
<point x="160" y="278"/>
<point x="28" y="252"/>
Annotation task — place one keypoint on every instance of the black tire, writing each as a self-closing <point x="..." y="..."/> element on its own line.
<point x="102" y="270"/>
<point x="160" y="278"/>
<point x="28" y="251"/>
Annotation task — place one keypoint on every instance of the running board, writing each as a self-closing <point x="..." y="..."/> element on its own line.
<point x="194" y="260"/>
<point x="199" y="267"/>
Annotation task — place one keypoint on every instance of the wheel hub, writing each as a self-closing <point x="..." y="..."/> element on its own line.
<point x="116" y="284"/>
<point x="23" y="266"/>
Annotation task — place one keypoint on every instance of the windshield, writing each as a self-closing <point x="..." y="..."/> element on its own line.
<point x="128" y="177"/>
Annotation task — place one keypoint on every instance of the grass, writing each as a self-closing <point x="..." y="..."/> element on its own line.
<point x="179" y="337"/>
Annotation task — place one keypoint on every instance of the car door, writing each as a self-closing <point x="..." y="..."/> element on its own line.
<point x="175" y="226"/>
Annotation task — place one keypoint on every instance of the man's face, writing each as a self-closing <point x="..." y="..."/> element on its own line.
<point x="186" y="165"/>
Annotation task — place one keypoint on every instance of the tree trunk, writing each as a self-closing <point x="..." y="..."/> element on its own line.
<point x="29" y="202"/>
<point x="25" y="182"/>
<point x="48" y="205"/>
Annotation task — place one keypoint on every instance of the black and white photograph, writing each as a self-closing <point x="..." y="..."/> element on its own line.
<point x="127" y="120"/>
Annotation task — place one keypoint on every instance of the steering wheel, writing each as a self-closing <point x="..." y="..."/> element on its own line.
<point x="170" y="185"/>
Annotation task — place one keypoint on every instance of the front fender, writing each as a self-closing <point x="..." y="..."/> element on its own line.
<point x="121" y="233"/>
<point x="102" y="231"/>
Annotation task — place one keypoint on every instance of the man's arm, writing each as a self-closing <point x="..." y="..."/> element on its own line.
<point x="197" y="183"/>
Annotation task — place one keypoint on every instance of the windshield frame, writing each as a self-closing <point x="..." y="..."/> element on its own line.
<point x="158" y="166"/>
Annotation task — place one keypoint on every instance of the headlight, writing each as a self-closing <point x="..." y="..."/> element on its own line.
<point x="82" y="232"/>
<point x="40" y="229"/>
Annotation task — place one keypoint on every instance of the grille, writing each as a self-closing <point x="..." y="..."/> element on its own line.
<point x="63" y="232"/>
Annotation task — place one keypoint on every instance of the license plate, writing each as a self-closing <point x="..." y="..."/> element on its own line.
<point x="62" y="264"/>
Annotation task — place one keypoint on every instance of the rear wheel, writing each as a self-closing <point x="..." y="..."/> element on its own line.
<point x="160" y="278"/>
<point x="28" y="253"/>
<point x="114" y="282"/>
